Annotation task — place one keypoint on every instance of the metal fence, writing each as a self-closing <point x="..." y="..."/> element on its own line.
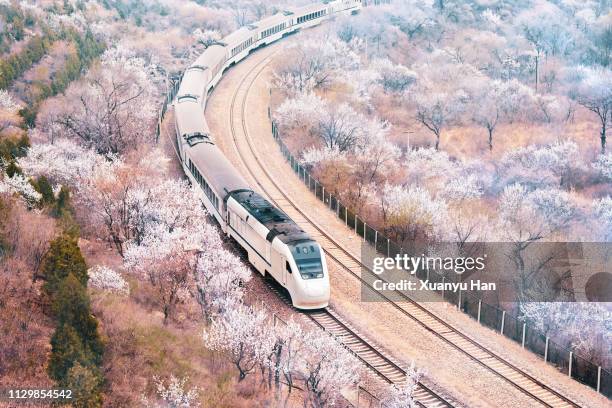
<point x="170" y="95"/>
<point x="491" y="316"/>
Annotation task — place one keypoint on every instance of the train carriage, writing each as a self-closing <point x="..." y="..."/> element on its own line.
<point x="239" y="43"/>
<point x="276" y="246"/>
<point x="214" y="58"/>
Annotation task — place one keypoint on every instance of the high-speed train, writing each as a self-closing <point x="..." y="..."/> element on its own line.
<point x="276" y="245"/>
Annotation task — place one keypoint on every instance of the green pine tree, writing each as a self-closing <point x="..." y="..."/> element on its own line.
<point x="66" y="350"/>
<point x="85" y="382"/>
<point x="63" y="258"/>
<point x="43" y="186"/>
<point x="71" y="306"/>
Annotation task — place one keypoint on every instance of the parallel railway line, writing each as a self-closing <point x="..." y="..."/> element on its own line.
<point x="527" y="384"/>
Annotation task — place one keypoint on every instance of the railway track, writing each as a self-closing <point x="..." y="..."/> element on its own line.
<point x="367" y="352"/>
<point x="527" y="384"/>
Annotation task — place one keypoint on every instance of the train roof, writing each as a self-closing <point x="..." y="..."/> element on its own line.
<point x="219" y="172"/>
<point x="193" y="81"/>
<point x="189" y="114"/>
<point x="273" y="20"/>
<point x="300" y="11"/>
<point x="275" y="220"/>
<point x="239" y="36"/>
<point x="211" y="56"/>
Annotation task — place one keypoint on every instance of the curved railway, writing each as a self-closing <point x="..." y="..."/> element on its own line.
<point x="523" y="381"/>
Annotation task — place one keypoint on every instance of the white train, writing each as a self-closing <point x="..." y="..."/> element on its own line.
<point x="276" y="245"/>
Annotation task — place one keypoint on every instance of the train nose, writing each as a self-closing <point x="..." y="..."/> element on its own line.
<point x="316" y="289"/>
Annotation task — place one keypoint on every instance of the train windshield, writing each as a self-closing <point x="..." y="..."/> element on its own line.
<point x="308" y="259"/>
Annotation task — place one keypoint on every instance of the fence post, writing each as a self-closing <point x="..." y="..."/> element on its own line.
<point x="479" y="306"/>
<point x="459" y="300"/>
<point x="503" y="321"/>
<point x="569" y="370"/>
<point x="364" y="231"/>
<point x="546" y="350"/>
<point x="387" y="247"/>
<point x="375" y="238"/>
<point x="356" y="225"/>
<point x="598" y="378"/>
<point x="523" y="342"/>
<point x="346" y="216"/>
<point x="323" y="193"/>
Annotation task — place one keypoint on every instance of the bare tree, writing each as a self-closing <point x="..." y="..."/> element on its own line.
<point x="241" y="16"/>
<point x="436" y="111"/>
<point x="340" y="128"/>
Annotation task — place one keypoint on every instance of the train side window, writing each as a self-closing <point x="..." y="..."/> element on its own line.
<point x="288" y="266"/>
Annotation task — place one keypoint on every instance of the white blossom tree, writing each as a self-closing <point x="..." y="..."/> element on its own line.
<point x="402" y="395"/>
<point x="7" y="102"/>
<point x="602" y="211"/>
<point x="530" y="216"/>
<point x="21" y="186"/>
<point x="527" y="217"/>
<point x="585" y="326"/>
<point x="165" y="260"/>
<point x="326" y="368"/>
<point x="339" y="128"/>
<point x="219" y="276"/>
<point x="393" y="77"/>
<point x="546" y="29"/>
<point x="113" y="108"/>
<point x="174" y="394"/>
<point x="241" y="333"/>
<point x="106" y="279"/>
<point x="595" y="94"/>
<point x="301" y="111"/>
<point x="498" y="101"/>
<point x="411" y="213"/>
<point x="67" y="163"/>
<point x="538" y="166"/>
<point x="312" y="63"/>
<point x="603" y="165"/>
<point x="343" y="128"/>
<point x="284" y="361"/>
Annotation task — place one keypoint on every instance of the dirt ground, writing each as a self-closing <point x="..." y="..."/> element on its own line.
<point x="461" y="377"/>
